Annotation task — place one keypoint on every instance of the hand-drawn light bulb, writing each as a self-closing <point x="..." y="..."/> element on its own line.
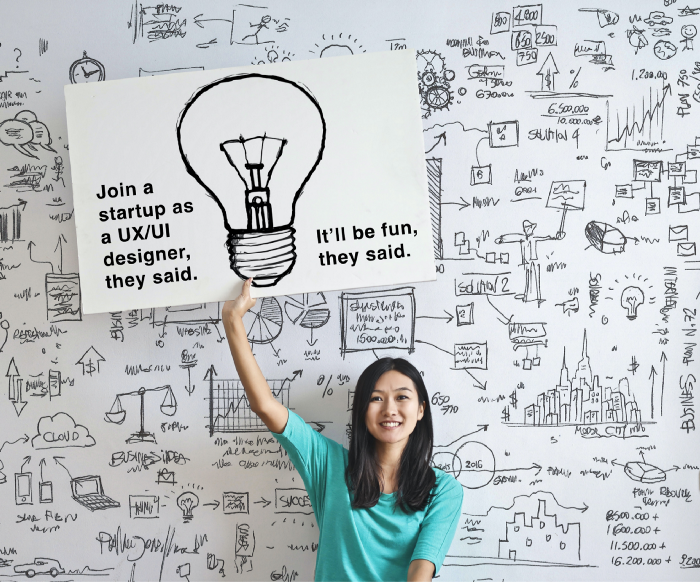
<point x="632" y="297"/>
<point x="187" y="502"/>
<point x="252" y="142"/>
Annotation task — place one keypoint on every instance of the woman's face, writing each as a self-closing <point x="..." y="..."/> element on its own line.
<point x="393" y="409"/>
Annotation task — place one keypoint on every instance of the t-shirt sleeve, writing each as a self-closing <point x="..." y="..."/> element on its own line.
<point x="440" y="523"/>
<point x="308" y="451"/>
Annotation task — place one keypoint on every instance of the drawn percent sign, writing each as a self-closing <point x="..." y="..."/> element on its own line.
<point x="472" y="463"/>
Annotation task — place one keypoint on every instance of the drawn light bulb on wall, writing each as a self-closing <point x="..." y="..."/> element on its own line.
<point x="252" y="142"/>
<point x="187" y="501"/>
<point x="632" y="297"/>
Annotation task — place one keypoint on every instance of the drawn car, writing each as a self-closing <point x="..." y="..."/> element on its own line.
<point x="40" y="566"/>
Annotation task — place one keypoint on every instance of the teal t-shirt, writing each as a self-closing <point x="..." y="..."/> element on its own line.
<point x="367" y="544"/>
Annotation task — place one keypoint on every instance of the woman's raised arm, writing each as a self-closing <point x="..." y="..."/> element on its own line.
<point x="262" y="403"/>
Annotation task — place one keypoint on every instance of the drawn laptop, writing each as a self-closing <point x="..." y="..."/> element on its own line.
<point x="89" y="493"/>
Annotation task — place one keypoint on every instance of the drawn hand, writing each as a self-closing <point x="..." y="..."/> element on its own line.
<point x="241" y="304"/>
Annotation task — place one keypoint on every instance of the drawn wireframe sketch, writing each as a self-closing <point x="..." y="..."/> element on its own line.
<point x="89" y="493"/>
<point x="117" y="414"/>
<point x="434" y="82"/>
<point x="24" y="133"/>
<point x="252" y="142"/>
<point x="528" y="255"/>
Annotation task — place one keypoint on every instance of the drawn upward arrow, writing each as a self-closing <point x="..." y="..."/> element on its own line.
<point x="59" y="247"/>
<point x="449" y="317"/>
<point x="29" y="246"/>
<point x="26" y="460"/>
<point x="663" y="379"/>
<point x="442" y="137"/>
<point x="483" y="427"/>
<point x="42" y="463"/>
<point x="547" y="71"/>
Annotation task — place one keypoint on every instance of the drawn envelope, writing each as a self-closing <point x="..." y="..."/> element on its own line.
<point x="691" y="203"/>
<point x="676" y="233"/>
<point x="165" y="476"/>
<point x="686" y="249"/>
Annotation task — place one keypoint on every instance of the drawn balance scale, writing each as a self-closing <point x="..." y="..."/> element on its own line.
<point x="117" y="414"/>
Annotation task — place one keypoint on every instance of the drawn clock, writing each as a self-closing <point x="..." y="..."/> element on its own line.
<point x="86" y="70"/>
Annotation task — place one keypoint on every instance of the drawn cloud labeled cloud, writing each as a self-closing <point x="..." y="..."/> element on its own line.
<point x="60" y="431"/>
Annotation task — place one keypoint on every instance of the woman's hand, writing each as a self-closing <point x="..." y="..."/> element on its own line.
<point x="240" y="305"/>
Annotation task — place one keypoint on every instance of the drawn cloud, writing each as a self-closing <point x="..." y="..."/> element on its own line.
<point x="60" y="431"/>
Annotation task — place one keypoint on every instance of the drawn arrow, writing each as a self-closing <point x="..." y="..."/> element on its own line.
<point x="478" y="384"/>
<point x="462" y="205"/>
<point x="274" y="351"/>
<point x="263" y="500"/>
<point x="663" y="379"/>
<point x="62" y="465"/>
<point x="312" y="341"/>
<point x="42" y="463"/>
<point x="482" y="427"/>
<point x="652" y="377"/>
<point x="675" y="468"/>
<point x="449" y="317"/>
<point x="59" y="247"/>
<point x="505" y="320"/>
<point x="198" y="21"/>
<point x="295" y="374"/>
<point x="211" y="372"/>
<point x="24" y="440"/>
<point x="443" y="137"/>
<point x="26" y="460"/>
<point x="436" y="347"/>
<point x="547" y="71"/>
<point x="215" y="504"/>
<point x="534" y="466"/>
<point x="15" y="387"/>
<point x="29" y="246"/>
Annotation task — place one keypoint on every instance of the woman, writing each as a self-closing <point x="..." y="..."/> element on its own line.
<point x="383" y="513"/>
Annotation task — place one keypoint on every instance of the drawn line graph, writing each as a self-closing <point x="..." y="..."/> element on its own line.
<point x="638" y="129"/>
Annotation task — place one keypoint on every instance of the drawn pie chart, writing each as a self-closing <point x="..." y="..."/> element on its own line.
<point x="263" y="322"/>
<point x="310" y="312"/>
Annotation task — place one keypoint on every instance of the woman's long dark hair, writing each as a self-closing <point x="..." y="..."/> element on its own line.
<point x="415" y="476"/>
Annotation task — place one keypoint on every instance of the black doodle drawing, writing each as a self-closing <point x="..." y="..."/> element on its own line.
<point x="40" y="566"/>
<point x="88" y="492"/>
<point x="156" y="23"/>
<point x="339" y="45"/>
<point x="86" y="70"/>
<point x="528" y="254"/>
<point x="244" y="169"/>
<point x="117" y="414"/>
<point x="229" y="409"/>
<point x="26" y="133"/>
<point x="90" y="361"/>
<point x="187" y="502"/>
<point x="434" y="82"/>
<point x="255" y="25"/>
<point x="580" y="399"/>
<point x="638" y="128"/>
<point x="15" y="387"/>
<point x="61" y="431"/>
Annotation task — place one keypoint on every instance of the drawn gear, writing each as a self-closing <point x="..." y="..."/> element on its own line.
<point x="433" y="82"/>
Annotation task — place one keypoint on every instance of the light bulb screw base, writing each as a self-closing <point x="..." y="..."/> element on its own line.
<point x="267" y="256"/>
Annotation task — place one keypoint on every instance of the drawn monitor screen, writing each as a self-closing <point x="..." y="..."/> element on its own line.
<point x="86" y="487"/>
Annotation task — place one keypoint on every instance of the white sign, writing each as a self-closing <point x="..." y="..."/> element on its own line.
<point x="307" y="176"/>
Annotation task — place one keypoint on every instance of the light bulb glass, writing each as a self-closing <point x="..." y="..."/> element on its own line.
<point x="631" y="298"/>
<point x="252" y="142"/>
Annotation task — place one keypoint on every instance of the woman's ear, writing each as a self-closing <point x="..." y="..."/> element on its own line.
<point x="421" y="410"/>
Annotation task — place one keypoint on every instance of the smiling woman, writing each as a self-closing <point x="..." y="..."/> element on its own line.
<point x="383" y="512"/>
